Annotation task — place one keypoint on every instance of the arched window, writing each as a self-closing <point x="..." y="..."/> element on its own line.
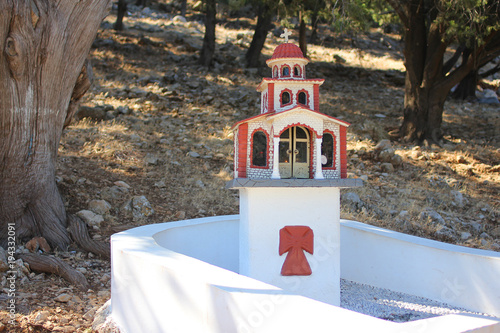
<point x="285" y="71"/>
<point x="296" y="71"/>
<point x="285" y="98"/>
<point x="302" y="98"/>
<point x="259" y="149"/>
<point x="327" y="150"/>
<point x="275" y="71"/>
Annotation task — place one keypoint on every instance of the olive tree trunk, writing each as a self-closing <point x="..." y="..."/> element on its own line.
<point x="44" y="44"/>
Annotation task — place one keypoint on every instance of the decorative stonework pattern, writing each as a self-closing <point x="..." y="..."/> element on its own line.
<point x="334" y="128"/>
<point x="294" y="88"/>
<point x="299" y="118"/>
<point x="260" y="173"/>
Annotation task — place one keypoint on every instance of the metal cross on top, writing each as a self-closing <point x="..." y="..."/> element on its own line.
<point x="285" y="35"/>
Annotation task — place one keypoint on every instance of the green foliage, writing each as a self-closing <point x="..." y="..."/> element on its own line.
<point x="361" y="15"/>
<point x="468" y="21"/>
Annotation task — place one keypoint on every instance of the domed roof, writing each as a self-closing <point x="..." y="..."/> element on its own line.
<point x="287" y="50"/>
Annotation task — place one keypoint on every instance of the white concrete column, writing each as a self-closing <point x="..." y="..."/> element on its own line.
<point x="264" y="211"/>
<point x="319" y="171"/>
<point x="276" y="158"/>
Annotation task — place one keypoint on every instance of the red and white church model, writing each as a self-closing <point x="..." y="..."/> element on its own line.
<point x="290" y="163"/>
<point x="290" y="138"/>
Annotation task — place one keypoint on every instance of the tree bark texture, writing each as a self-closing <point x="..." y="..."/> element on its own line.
<point x="264" y="19"/>
<point x="303" y="35"/>
<point x="427" y="84"/>
<point x="208" y="48"/>
<point x="43" y="74"/>
<point x="122" y="9"/>
<point x="49" y="264"/>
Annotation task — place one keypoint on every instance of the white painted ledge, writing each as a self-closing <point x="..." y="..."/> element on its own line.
<point x="159" y="284"/>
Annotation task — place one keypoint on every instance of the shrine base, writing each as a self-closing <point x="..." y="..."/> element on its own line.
<point x="264" y="211"/>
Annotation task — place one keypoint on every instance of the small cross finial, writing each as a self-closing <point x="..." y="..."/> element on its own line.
<point x="285" y="35"/>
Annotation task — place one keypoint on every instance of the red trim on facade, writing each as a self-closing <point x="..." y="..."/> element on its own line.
<point x="300" y="70"/>
<point x="343" y="152"/>
<point x="260" y="129"/>
<point x="270" y="97"/>
<point x="334" y="162"/>
<point x="242" y="150"/>
<point x="289" y="71"/>
<point x="291" y="97"/>
<point x="316" y="97"/>
<point x="308" y="98"/>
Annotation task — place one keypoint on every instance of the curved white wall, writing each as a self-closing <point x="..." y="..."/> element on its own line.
<point x="457" y="275"/>
<point x="159" y="286"/>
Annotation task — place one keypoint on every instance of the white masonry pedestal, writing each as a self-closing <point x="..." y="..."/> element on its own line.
<point x="266" y="206"/>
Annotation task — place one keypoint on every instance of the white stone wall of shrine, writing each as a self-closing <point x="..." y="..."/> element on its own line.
<point x="294" y="87"/>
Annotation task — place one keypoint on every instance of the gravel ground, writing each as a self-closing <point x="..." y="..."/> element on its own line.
<point x="390" y="305"/>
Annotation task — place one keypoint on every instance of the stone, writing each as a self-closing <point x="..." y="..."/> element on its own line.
<point x="89" y="315"/>
<point x="484" y="235"/>
<point x="151" y="159"/>
<point x="458" y="198"/>
<point x="179" y="19"/>
<point x="352" y="199"/>
<point x="114" y="193"/>
<point x="82" y="270"/>
<point x="63" y="298"/>
<point x="432" y="216"/>
<point x="495" y="233"/>
<point x="41" y="317"/>
<point x="180" y="215"/>
<point x="95" y="113"/>
<point x="38" y="243"/>
<point x="121" y="183"/>
<point x="4" y="264"/>
<point x="101" y="207"/>
<point x="386" y="167"/>
<point x="103" y="323"/>
<point x="396" y="160"/>
<point x="386" y="155"/>
<point x="92" y="219"/>
<point x="193" y="154"/>
<point x="383" y="144"/>
<point x="465" y="235"/>
<point x="139" y="206"/>
<point x="446" y="234"/>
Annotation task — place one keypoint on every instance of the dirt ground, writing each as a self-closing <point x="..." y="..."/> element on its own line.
<point x="155" y="124"/>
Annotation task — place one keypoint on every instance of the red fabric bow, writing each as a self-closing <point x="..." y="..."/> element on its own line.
<point x="295" y="239"/>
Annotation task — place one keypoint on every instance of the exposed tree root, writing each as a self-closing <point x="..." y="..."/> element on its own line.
<point x="50" y="264"/>
<point x="79" y="233"/>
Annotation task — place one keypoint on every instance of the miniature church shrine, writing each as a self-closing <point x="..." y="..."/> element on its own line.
<point x="290" y="163"/>
<point x="290" y="138"/>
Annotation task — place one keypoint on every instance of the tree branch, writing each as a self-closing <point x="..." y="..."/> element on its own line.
<point x="401" y="11"/>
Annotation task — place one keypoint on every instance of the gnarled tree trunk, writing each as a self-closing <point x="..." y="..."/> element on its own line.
<point x="44" y="44"/>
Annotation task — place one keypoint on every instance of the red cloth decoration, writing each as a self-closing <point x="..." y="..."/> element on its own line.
<point x="294" y="240"/>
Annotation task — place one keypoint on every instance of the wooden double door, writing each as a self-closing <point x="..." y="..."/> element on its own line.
<point x="294" y="153"/>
